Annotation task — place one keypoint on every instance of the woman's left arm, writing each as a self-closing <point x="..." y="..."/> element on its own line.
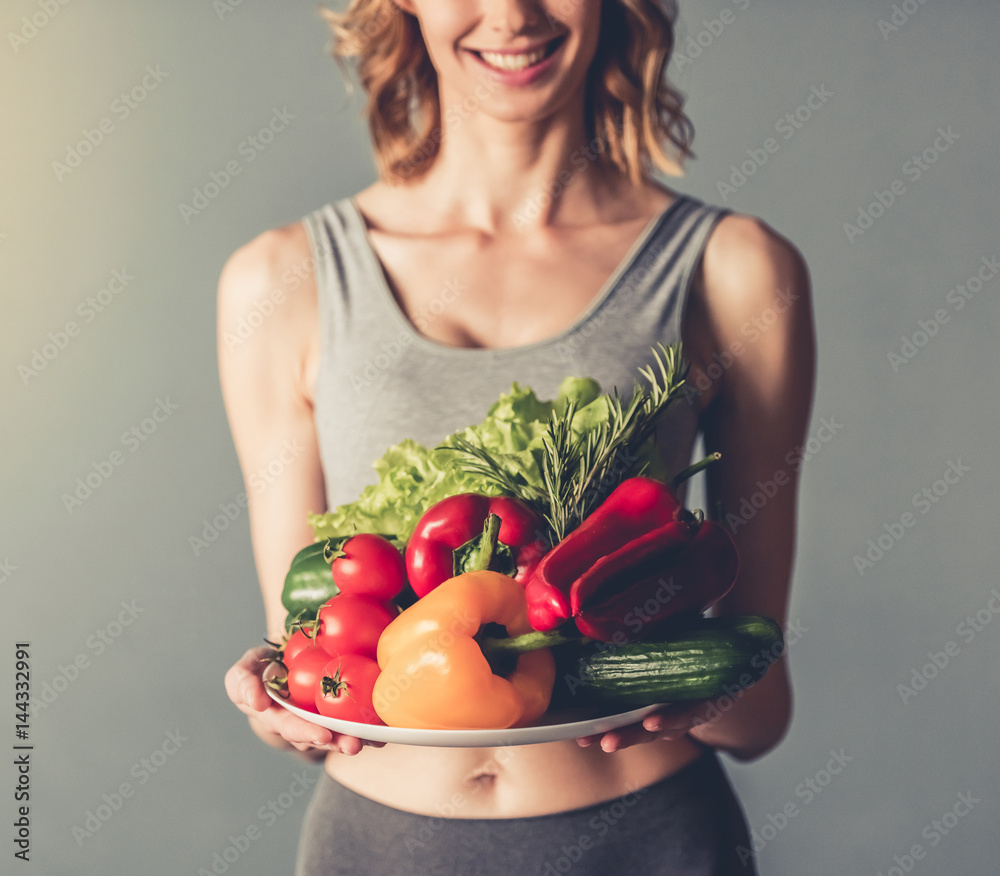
<point x="752" y="302"/>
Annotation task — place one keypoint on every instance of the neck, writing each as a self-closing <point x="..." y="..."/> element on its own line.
<point x="499" y="175"/>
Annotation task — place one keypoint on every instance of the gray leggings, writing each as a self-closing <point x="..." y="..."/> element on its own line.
<point x="689" y="824"/>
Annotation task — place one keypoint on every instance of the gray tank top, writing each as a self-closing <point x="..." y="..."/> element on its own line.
<point x="380" y="380"/>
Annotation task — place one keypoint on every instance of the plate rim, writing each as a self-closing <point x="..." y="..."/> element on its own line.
<point x="483" y="738"/>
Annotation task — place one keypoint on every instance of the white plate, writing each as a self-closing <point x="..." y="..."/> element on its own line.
<point x="557" y="728"/>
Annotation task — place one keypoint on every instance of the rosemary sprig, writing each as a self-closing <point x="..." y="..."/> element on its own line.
<point x="578" y="472"/>
<point x="482" y="462"/>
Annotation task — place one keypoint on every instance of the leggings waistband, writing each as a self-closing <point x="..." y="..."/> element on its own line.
<point x="688" y="824"/>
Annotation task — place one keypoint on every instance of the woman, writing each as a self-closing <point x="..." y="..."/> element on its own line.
<point x="516" y="233"/>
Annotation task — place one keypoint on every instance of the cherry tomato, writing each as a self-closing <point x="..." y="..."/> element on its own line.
<point x="305" y="670"/>
<point x="350" y="624"/>
<point x="345" y="689"/>
<point x="296" y="642"/>
<point x="369" y="566"/>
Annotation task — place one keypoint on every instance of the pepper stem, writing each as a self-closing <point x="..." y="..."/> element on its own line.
<point x="528" y="642"/>
<point x="487" y="546"/>
<point x="692" y="470"/>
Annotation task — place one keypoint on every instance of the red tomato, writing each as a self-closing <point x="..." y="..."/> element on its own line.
<point x="369" y="566"/>
<point x="350" y="624"/>
<point x="305" y="670"/>
<point x="296" y="642"/>
<point x="345" y="690"/>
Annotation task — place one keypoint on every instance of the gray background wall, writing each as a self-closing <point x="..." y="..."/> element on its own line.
<point x="225" y="68"/>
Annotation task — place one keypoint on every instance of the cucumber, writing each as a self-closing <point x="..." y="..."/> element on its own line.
<point x="700" y="661"/>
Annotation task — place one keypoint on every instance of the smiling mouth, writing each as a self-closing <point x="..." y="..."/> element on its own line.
<point x="520" y="61"/>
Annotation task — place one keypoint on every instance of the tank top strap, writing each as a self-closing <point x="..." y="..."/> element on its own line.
<point x="654" y="289"/>
<point x="341" y="270"/>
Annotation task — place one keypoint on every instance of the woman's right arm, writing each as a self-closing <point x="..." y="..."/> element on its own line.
<point x="267" y="367"/>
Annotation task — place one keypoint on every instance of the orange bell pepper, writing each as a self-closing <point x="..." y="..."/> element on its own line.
<point x="434" y="673"/>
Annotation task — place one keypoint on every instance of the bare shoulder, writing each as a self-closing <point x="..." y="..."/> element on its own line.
<point x="756" y="302"/>
<point x="263" y="264"/>
<point x="746" y="265"/>
<point x="267" y="303"/>
<point x="748" y="326"/>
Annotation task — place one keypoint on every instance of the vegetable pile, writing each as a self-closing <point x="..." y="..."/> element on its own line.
<point x="541" y="558"/>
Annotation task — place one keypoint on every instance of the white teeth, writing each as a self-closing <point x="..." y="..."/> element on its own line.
<point x="512" y="62"/>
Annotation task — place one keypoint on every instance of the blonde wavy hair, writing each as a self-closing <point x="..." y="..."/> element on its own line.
<point x="632" y="110"/>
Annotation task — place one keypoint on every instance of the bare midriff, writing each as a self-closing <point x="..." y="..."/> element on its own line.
<point x="511" y="782"/>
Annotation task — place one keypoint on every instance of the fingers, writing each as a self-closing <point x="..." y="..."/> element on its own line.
<point x="668" y="723"/>
<point x="301" y="734"/>
<point x="243" y="683"/>
<point x="245" y="688"/>
<point x="350" y="745"/>
<point x="618" y="739"/>
<point x="626" y="736"/>
<point x="671" y="722"/>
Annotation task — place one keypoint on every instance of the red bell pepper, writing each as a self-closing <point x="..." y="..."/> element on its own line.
<point x="634" y="508"/>
<point x="639" y="560"/>
<point x="456" y="523"/>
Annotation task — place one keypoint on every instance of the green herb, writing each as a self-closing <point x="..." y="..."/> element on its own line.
<point x="562" y="457"/>
<point x="580" y="466"/>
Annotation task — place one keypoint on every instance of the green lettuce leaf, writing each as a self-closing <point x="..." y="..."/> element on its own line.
<point x="413" y="477"/>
